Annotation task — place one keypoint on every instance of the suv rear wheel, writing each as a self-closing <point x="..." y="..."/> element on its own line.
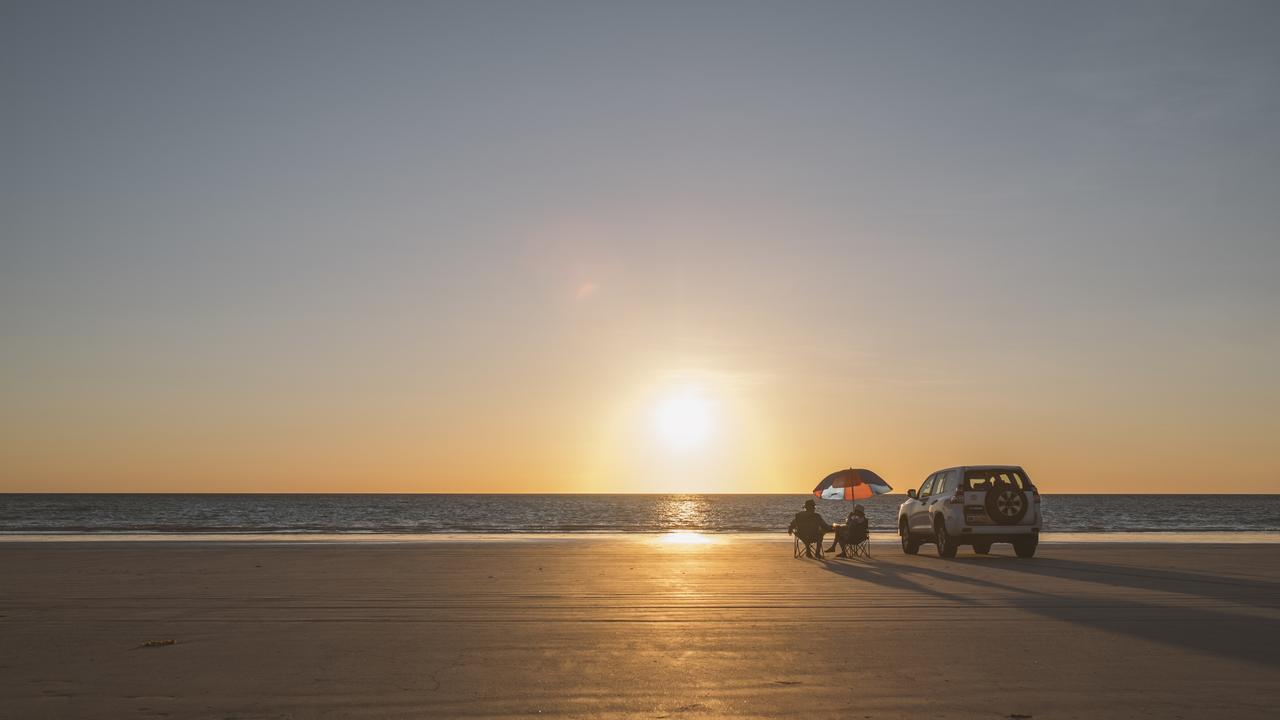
<point x="910" y="545"/>
<point x="1026" y="547"/>
<point x="946" y="543"/>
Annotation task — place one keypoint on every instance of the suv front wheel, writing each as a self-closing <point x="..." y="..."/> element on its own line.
<point x="910" y="544"/>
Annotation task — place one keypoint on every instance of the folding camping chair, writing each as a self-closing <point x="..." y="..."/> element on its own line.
<point x="861" y="549"/>
<point x="800" y="548"/>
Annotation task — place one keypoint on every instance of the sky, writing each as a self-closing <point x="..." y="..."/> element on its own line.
<point x="637" y="246"/>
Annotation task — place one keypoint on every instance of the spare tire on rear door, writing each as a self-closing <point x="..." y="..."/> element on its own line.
<point x="1006" y="505"/>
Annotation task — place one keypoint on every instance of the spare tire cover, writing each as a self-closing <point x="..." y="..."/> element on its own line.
<point x="1006" y="505"/>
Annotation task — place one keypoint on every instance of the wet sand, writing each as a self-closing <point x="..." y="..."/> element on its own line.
<point x="634" y="627"/>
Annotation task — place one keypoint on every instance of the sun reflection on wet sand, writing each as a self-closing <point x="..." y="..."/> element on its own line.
<point x="686" y="538"/>
<point x="681" y="512"/>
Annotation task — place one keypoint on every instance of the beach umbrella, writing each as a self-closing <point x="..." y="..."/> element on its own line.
<point x="851" y="484"/>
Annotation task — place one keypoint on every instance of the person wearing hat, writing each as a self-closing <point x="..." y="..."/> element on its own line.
<point x="810" y="527"/>
<point x="853" y="532"/>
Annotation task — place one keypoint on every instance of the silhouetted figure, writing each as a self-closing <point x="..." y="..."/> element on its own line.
<point x="853" y="532"/>
<point x="810" y="527"/>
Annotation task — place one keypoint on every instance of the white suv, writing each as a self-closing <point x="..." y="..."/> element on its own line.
<point x="974" y="505"/>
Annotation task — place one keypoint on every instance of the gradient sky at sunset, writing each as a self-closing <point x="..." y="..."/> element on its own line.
<point x="649" y="246"/>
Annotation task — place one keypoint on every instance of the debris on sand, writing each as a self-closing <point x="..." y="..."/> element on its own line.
<point x="158" y="643"/>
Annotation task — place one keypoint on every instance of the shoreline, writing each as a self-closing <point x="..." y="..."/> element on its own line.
<point x="1248" y="537"/>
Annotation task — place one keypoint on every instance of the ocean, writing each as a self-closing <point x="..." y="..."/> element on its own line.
<point x="432" y="514"/>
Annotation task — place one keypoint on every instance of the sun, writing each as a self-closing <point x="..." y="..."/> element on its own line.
<point x="682" y="419"/>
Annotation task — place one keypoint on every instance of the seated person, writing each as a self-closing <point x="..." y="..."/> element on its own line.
<point x="810" y="527"/>
<point x="853" y="532"/>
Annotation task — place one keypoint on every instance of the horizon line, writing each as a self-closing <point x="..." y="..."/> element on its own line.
<point x="583" y="493"/>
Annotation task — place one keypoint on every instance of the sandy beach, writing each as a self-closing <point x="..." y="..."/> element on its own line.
<point x="640" y="627"/>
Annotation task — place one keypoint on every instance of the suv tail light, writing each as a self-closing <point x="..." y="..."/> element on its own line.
<point x="958" y="498"/>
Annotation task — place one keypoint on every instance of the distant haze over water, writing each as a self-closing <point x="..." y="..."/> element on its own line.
<point x="85" y="513"/>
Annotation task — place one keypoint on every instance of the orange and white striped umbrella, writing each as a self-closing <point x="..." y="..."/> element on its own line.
<point x="851" y="484"/>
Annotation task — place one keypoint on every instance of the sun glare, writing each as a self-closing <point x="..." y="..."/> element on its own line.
<point x="683" y="419"/>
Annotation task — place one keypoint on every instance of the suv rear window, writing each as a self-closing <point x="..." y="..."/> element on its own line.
<point x="987" y="479"/>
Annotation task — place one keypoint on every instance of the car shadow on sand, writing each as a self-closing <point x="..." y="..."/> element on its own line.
<point x="1189" y="620"/>
<point x="1254" y="592"/>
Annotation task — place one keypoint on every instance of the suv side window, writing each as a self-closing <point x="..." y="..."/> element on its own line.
<point x="927" y="488"/>
<point x="945" y="483"/>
